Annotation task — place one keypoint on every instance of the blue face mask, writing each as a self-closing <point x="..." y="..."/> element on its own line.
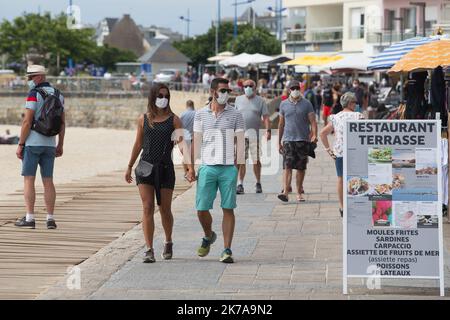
<point x="31" y="84"/>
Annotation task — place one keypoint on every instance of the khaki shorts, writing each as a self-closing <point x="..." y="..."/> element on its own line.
<point x="253" y="150"/>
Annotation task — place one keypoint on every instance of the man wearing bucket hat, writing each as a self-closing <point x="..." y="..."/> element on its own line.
<point x="36" y="148"/>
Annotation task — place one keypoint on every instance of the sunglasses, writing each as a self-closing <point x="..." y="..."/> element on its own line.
<point x="161" y="96"/>
<point x="295" y="88"/>
<point x="225" y="90"/>
<point x="248" y="86"/>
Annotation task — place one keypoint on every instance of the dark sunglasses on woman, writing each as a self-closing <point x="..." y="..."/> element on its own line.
<point x="161" y="96"/>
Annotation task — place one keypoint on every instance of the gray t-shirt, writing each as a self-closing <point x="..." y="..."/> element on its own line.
<point x="252" y="110"/>
<point x="296" y="121"/>
<point x="187" y="119"/>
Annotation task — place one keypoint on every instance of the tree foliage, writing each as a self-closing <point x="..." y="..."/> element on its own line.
<point x="50" y="38"/>
<point x="249" y="40"/>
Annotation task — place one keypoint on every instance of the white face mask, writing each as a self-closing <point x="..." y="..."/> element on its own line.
<point x="223" y="97"/>
<point x="248" y="91"/>
<point x="295" y="94"/>
<point x="162" y="103"/>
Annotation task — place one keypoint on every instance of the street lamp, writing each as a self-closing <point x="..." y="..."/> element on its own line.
<point x="423" y="5"/>
<point x="217" y="27"/>
<point x="278" y="11"/>
<point x="236" y="4"/>
<point x="188" y="21"/>
<point x="401" y="26"/>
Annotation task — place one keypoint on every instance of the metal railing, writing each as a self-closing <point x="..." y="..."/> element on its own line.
<point x="113" y="87"/>
<point x="315" y="35"/>
<point x="392" y="36"/>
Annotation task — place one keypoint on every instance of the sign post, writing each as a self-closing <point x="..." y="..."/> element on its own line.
<point x="393" y="201"/>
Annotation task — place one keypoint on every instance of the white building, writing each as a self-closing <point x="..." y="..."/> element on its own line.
<point x="329" y="26"/>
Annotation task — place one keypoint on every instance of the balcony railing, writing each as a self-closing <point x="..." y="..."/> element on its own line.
<point x="357" y="32"/>
<point x="333" y="34"/>
<point x="388" y="36"/>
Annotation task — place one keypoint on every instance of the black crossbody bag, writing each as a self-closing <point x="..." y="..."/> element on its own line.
<point x="144" y="168"/>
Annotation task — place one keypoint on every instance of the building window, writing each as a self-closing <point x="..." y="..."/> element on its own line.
<point x="357" y="23"/>
<point x="410" y="18"/>
<point x="389" y="16"/>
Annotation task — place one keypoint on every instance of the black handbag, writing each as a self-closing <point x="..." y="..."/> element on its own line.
<point x="144" y="168"/>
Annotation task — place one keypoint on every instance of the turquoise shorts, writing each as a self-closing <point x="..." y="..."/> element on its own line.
<point x="213" y="178"/>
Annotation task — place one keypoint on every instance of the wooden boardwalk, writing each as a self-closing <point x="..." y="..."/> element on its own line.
<point x="90" y="213"/>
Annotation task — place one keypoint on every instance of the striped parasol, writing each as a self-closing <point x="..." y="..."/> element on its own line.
<point x="394" y="53"/>
<point x="426" y="57"/>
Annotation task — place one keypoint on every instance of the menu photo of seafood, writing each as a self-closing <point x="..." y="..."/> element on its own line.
<point x="380" y="181"/>
<point x="426" y="163"/>
<point x="382" y="214"/>
<point x="404" y="159"/>
<point x="427" y="221"/>
<point x="428" y="214"/>
<point x="405" y="213"/>
<point x="398" y="181"/>
<point x="357" y="186"/>
<point x="380" y="155"/>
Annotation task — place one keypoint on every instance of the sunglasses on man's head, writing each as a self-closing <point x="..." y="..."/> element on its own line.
<point x="225" y="90"/>
<point x="295" y="88"/>
<point x="161" y="96"/>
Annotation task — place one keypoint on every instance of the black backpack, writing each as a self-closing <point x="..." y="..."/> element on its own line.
<point x="50" y="121"/>
<point x="327" y="97"/>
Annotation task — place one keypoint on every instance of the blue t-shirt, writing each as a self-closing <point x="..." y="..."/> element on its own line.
<point x="296" y="119"/>
<point x="35" y="102"/>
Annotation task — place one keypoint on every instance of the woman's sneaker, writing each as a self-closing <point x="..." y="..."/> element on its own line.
<point x="206" y="245"/>
<point x="51" y="224"/>
<point x="149" y="256"/>
<point x="23" y="223"/>
<point x="227" y="256"/>
<point x="168" y="251"/>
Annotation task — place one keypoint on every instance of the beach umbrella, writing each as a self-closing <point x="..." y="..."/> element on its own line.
<point x="395" y="52"/>
<point x="310" y="60"/>
<point x="350" y="62"/>
<point x="426" y="57"/>
<point x="221" y="56"/>
<point x="244" y="60"/>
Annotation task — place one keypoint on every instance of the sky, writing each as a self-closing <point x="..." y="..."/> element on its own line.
<point x="164" y="13"/>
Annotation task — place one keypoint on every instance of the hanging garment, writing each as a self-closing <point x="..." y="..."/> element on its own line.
<point x="437" y="95"/>
<point x="444" y="164"/>
<point x="415" y="95"/>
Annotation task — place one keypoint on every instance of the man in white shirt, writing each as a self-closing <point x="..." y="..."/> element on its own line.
<point x="217" y="128"/>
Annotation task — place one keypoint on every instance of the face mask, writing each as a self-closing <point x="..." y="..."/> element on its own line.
<point x="31" y="84"/>
<point x="223" y="98"/>
<point x="295" y="94"/>
<point x="248" y="91"/>
<point x="162" y="103"/>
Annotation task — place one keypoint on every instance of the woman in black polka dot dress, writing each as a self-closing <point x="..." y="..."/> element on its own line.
<point x="156" y="135"/>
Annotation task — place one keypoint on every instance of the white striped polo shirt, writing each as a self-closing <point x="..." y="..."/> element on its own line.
<point x="218" y="134"/>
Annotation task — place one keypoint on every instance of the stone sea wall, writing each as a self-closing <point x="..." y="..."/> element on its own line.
<point x="117" y="113"/>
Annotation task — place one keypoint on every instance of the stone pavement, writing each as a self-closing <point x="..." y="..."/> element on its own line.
<point x="282" y="251"/>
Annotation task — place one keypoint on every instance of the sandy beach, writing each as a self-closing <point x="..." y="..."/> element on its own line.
<point x="87" y="153"/>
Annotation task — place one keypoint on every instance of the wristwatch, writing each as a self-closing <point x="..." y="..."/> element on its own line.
<point x="21" y="144"/>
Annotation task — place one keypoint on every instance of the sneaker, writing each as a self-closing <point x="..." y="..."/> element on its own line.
<point x="149" y="256"/>
<point x="240" y="189"/>
<point x="23" y="223"/>
<point x="51" y="224"/>
<point x="258" y="188"/>
<point x="168" y="251"/>
<point x="206" y="245"/>
<point x="227" y="256"/>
